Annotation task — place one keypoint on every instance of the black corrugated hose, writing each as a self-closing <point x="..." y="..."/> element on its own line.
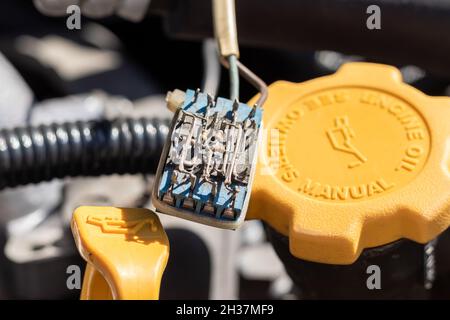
<point x="34" y="154"/>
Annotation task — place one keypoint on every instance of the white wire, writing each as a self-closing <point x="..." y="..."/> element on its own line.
<point x="211" y="68"/>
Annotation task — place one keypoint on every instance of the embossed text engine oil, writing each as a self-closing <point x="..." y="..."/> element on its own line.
<point x="354" y="166"/>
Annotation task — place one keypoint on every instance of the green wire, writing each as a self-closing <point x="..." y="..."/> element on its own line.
<point x="234" y="78"/>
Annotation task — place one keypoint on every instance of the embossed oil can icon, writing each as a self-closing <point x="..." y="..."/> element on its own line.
<point x="116" y="225"/>
<point x="341" y="139"/>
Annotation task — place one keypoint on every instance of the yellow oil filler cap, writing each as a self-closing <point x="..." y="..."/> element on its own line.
<point x="126" y="250"/>
<point x="353" y="160"/>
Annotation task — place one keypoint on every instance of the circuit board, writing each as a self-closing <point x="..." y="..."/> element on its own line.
<point x="207" y="165"/>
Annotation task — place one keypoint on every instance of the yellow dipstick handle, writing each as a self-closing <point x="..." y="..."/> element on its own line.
<point x="126" y="250"/>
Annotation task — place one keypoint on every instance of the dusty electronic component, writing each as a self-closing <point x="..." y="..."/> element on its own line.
<point x="207" y="165"/>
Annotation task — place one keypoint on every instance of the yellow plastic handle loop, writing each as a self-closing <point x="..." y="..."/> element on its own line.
<point x="126" y="250"/>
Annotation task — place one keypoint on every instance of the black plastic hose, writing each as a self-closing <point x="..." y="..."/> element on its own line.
<point x="34" y="154"/>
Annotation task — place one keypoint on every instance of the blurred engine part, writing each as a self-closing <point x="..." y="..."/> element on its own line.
<point x="37" y="261"/>
<point x="327" y="25"/>
<point x="13" y="92"/>
<point x="222" y="246"/>
<point x="54" y="51"/>
<point x="189" y="266"/>
<point x="211" y="68"/>
<point x="405" y="266"/>
<point x="267" y="280"/>
<point x="133" y="10"/>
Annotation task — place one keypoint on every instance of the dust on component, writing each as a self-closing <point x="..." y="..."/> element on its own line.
<point x="207" y="166"/>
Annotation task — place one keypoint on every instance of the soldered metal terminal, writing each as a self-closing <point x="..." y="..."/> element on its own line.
<point x="207" y="165"/>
